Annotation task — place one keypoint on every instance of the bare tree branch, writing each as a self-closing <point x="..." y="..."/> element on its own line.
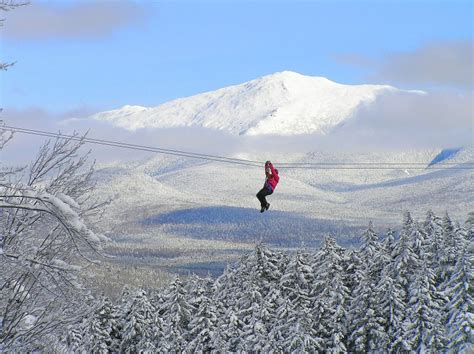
<point x="7" y="5"/>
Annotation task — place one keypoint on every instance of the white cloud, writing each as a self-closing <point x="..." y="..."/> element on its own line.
<point x="436" y="119"/>
<point x="443" y="63"/>
<point x="24" y="147"/>
<point x="82" y="20"/>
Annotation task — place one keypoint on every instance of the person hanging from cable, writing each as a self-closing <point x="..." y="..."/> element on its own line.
<point x="271" y="181"/>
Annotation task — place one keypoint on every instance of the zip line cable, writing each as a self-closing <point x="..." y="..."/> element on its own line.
<point x="132" y="146"/>
<point x="252" y="163"/>
<point x="218" y="158"/>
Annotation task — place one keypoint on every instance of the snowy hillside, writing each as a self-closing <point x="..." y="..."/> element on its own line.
<point x="284" y="103"/>
<point x="214" y="200"/>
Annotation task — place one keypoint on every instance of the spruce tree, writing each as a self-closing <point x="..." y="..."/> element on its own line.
<point x="330" y="306"/>
<point x="197" y="290"/>
<point x="250" y="311"/>
<point x="297" y="280"/>
<point x="404" y="258"/>
<point x="435" y="243"/>
<point x="302" y="335"/>
<point x="448" y="257"/>
<point x="390" y="297"/>
<point x="295" y="319"/>
<point x="405" y="261"/>
<point x="140" y="332"/>
<point x="425" y="331"/>
<point x="75" y="339"/>
<point x="269" y="267"/>
<point x="176" y="314"/>
<point x="460" y="308"/>
<point x="101" y="332"/>
<point x="226" y="290"/>
<point x="229" y="335"/>
<point x="202" y="327"/>
<point x="419" y="242"/>
<point x="367" y="331"/>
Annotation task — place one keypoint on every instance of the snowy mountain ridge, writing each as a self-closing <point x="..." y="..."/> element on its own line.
<point x="284" y="103"/>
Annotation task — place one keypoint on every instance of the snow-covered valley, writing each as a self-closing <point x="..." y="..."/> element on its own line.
<point x="192" y="215"/>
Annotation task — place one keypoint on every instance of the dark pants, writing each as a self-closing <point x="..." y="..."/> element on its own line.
<point x="262" y="194"/>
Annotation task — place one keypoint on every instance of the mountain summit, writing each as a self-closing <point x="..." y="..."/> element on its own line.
<point x="284" y="103"/>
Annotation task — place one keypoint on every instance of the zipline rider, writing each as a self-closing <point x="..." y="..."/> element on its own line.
<point x="271" y="181"/>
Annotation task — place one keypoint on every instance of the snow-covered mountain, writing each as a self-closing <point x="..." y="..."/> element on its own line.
<point x="284" y="103"/>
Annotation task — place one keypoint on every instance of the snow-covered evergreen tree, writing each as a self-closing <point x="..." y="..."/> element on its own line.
<point x="269" y="267"/>
<point x="367" y="331"/>
<point x="227" y="289"/>
<point x="302" y="336"/>
<point x="75" y="338"/>
<point x="449" y="248"/>
<point x="297" y="280"/>
<point x="461" y="238"/>
<point x="435" y="243"/>
<point x="460" y="292"/>
<point x="141" y="332"/>
<point x="228" y="336"/>
<point x="425" y="330"/>
<point x="176" y="314"/>
<point x="404" y="258"/>
<point x="404" y="262"/>
<point x="390" y="298"/>
<point x="250" y="310"/>
<point x="295" y="322"/>
<point x="419" y="242"/>
<point x="331" y="297"/>
<point x="202" y="327"/>
<point x="197" y="290"/>
<point x="249" y="299"/>
<point x="102" y="334"/>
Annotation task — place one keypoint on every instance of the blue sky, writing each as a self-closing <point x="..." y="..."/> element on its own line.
<point x="146" y="53"/>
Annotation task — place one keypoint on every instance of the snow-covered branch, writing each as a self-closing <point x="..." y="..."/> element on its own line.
<point x="45" y="235"/>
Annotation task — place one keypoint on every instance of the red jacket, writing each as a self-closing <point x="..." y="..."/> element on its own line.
<point x="272" y="175"/>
